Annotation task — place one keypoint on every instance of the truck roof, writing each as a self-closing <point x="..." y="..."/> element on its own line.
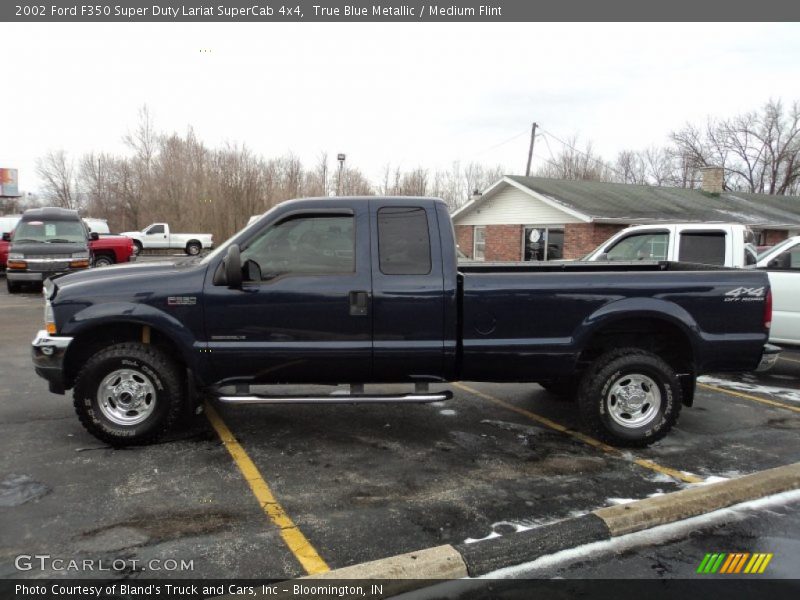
<point x="50" y="213"/>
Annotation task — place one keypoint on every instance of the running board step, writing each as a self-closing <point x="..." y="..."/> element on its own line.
<point x="339" y="399"/>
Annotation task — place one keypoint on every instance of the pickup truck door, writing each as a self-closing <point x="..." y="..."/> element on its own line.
<point x="156" y="236"/>
<point x="304" y="314"/>
<point x="408" y="291"/>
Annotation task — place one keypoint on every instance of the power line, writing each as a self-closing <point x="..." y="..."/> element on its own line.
<point x="598" y="161"/>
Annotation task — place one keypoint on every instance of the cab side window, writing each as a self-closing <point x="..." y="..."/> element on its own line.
<point x="706" y="247"/>
<point x="318" y="244"/>
<point x="155" y="229"/>
<point x="404" y="245"/>
<point x="640" y="246"/>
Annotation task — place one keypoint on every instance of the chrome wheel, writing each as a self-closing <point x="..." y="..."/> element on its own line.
<point x="126" y="397"/>
<point x="633" y="401"/>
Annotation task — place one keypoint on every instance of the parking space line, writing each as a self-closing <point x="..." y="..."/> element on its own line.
<point x="298" y="543"/>
<point x="794" y="360"/>
<point x="749" y="397"/>
<point x="642" y="462"/>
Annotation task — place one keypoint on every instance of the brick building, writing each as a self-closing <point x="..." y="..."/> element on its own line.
<point x="534" y="218"/>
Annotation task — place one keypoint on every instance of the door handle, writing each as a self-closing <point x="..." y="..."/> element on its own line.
<point x="358" y="303"/>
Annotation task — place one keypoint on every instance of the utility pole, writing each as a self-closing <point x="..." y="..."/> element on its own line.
<point x="530" y="151"/>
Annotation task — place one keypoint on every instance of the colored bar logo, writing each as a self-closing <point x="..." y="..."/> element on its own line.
<point x="734" y="563"/>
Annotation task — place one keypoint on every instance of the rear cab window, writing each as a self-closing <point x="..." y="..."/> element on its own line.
<point x="705" y="247"/>
<point x="404" y="245"/>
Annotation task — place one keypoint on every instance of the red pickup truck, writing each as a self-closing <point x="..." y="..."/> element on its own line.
<point x="109" y="249"/>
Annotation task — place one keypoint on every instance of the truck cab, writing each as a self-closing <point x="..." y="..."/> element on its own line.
<point x="721" y="244"/>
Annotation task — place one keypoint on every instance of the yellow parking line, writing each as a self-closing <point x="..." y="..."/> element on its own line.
<point x="749" y="397"/>
<point x="647" y="464"/>
<point x="298" y="543"/>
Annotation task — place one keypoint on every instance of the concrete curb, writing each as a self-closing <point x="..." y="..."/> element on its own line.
<point x="461" y="560"/>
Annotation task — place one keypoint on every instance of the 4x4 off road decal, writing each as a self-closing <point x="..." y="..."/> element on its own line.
<point x="746" y="294"/>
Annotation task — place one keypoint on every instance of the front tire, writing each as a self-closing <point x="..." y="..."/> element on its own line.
<point x="103" y="261"/>
<point x="129" y="394"/>
<point x="137" y="247"/>
<point x="12" y="286"/>
<point x="630" y="397"/>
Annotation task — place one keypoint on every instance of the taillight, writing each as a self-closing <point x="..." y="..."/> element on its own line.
<point x="768" y="310"/>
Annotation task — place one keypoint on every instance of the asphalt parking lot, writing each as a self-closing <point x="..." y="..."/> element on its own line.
<point x="348" y="483"/>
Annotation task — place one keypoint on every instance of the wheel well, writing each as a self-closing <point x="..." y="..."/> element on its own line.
<point x="92" y="340"/>
<point x="194" y="242"/>
<point x="660" y="337"/>
<point x="106" y="253"/>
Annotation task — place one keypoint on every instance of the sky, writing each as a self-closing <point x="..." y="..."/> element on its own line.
<point x="405" y="94"/>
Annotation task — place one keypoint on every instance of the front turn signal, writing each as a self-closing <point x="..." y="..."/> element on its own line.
<point x="16" y="264"/>
<point x="80" y="263"/>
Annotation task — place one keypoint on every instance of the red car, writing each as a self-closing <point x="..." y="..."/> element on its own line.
<point x="7" y="225"/>
<point x="111" y="249"/>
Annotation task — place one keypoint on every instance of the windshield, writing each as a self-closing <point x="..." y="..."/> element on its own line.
<point x="776" y="249"/>
<point x="50" y="232"/>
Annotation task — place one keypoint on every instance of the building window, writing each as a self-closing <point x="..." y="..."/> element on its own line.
<point x="543" y="243"/>
<point x="479" y="243"/>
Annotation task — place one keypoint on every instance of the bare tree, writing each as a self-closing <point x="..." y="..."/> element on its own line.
<point x="574" y="162"/>
<point x="760" y="150"/>
<point x="56" y="170"/>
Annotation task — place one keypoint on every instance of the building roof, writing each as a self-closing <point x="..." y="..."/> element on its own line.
<point x="627" y="203"/>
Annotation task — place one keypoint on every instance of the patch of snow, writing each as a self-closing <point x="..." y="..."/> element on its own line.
<point x="789" y="394"/>
<point x="447" y="412"/>
<point x="491" y="536"/>
<point x="662" y="478"/>
<point x="620" y="500"/>
<point x="650" y="537"/>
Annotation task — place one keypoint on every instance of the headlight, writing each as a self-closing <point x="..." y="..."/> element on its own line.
<point x="16" y="260"/>
<point x="80" y="260"/>
<point x="49" y="317"/>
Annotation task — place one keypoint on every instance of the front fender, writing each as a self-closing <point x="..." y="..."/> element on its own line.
<point x="105" y="314"/>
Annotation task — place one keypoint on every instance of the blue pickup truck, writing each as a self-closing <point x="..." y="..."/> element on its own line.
<point x="365" y="291"/>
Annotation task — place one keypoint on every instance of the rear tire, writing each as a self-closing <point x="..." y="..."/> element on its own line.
<point x="193" y="248"/>
<point x="129" y="394"/>
<point x="629" y="397"/>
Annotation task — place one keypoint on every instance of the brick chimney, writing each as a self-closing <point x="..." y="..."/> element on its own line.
<point x="712" y="178"/>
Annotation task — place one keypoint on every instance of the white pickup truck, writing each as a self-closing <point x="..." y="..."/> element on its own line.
<point x="724" y="244"/>
<point x="782" y="263"/>
<point x="158" y="236"/>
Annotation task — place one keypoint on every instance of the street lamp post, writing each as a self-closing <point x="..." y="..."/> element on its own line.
<point x="340" y="157"/>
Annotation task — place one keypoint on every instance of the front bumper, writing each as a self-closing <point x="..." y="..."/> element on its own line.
<point x="14" y="275"/>
<point x="47" y="352"/>
<point x="769" y="357"/>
